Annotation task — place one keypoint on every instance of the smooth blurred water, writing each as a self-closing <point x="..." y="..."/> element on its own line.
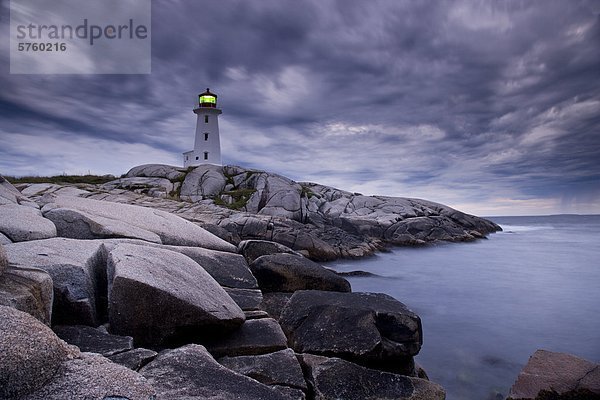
<point x="487" y="306"/>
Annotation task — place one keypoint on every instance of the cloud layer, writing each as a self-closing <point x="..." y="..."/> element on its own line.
<point x="491" y="107"/>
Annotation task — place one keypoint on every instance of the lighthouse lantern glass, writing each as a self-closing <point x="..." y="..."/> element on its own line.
<point x="208" y="99"/>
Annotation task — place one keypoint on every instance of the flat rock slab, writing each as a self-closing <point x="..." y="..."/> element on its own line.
<point x="83" y="218"/>
<point x="334" y="378"/>
<point x="134" y="359"/>
<point x="29" y="290"/>
<point x="247" y="299"/>
<point x="278" y="368"/>
<point x="289" y="273"/>
<point x="78" y="272"/>
<point x="92" y="376"/>
<point x="21" y="223"/>
<point x="228" y="269"/>
<point x="191" y="373"/>
<point x="157" y="296"/>
<point x="31" y="353"/>
<point x="93" y="340"/>
<point x="561" y="372"/>
<point x="257" y="336"/>
<point x="368" y="328"/>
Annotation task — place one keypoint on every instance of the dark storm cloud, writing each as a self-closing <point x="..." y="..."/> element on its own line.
<point x="462" y="102"/>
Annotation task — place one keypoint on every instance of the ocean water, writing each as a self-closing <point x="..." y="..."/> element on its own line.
<point x="487" y="306"/>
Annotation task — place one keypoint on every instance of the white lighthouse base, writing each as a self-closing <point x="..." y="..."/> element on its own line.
<point x="194" y="158"/>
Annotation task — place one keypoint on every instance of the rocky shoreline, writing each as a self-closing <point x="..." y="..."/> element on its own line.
<point x="202" y="283"/>
<point x="321" y="222"/>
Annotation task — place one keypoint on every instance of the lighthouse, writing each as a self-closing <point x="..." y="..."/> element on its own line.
<point x="207" y="145"/>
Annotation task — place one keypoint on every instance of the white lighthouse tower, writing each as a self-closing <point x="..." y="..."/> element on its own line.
<point x="207" y="145"/>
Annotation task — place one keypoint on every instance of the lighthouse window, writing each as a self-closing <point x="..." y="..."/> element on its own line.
<point x="197" y="157"/>
<point x="206" y="119"/>
<point x="205" y="136"/>
<point x="206" y="155"/>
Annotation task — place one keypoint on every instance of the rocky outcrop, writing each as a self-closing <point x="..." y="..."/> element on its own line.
<point x="157" y="170"/>
<point x="202" y="182"/>
<point x="158" y="295"/>
<point x="133" y="273"/>
<point x="319" y="220"/>
<point x="190" y="372"/>
<point x="558" y="373"/>
<point x="290" y="272"/>
<point x="333" y="378"/>
<point x="368" y="328"/>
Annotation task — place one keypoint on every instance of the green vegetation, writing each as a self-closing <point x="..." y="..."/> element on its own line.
<point x="62" y="179"/>
<point x="175" y="193"/>
<point x="240" y="198"/>
<point x="306" y="192"/>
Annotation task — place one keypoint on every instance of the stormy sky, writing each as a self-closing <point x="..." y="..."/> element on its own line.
<point x="492" y="107"/>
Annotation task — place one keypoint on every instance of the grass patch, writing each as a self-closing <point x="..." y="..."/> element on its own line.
<point x="306" y="192"/>
<point x="62" y="179"/>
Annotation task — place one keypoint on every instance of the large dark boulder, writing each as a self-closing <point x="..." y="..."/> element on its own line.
<point x="191" y="373"/>
<point x="368" y="328"/>
<point x="252" y="249"/>
<point x="159" y="296"/>
<point x="333" y="378"/>
<point x="289" y="272"/>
